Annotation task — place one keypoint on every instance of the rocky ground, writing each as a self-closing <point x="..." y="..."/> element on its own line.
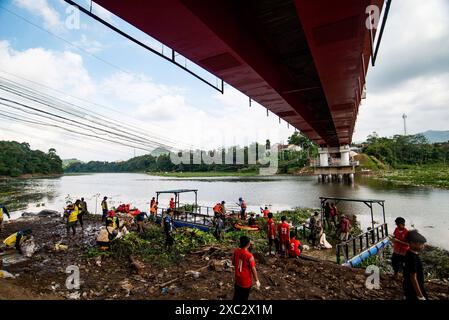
<point x="202" y="274"/>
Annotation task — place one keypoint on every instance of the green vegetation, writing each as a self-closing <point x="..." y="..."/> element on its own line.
<point x="150" y="245"/>
<point x="292" y="161"/>
<point x="18" y="159"/>
<point x="435" y="262"/>
<point x="369" y="162"/>
<point x="159" y="163"/>
<point x="408" y="160"/>
<point x="406" y="150"/>
<point x="163" y="164"/>
<point x="425" y="175"/>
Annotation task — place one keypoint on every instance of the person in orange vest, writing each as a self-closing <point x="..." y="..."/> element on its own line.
<point x="171" y="205"/>
<point x="217" y="209"/>
<point x="153" y="209"/>
<point x="271" y="233"/>
<point x="295" y="247"/>
<point x="284" y="235"/>
<point x="265" y="212"/>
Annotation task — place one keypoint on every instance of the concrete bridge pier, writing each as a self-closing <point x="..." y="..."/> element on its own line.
<point x="339" y="168"/>
<point x="351" y="177"/>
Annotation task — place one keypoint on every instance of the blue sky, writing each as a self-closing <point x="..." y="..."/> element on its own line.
<point x="151" y="95"/>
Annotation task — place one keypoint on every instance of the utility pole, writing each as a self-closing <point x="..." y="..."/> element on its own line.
<point x="404" y="116"/>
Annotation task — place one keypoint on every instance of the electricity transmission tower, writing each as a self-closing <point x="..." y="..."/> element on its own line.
<point x="404" y="116"/>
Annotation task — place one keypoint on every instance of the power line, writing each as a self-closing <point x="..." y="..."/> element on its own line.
<point x="70" y="123"/>
<point x="93" y="103"/>
<point x="68" y="42"/>
<point x="124" y="135"/>
<point x="48" y="103"/>
<point x="71" y="131"/>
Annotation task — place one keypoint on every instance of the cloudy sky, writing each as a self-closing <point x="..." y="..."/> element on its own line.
<point x="126" y="86"/>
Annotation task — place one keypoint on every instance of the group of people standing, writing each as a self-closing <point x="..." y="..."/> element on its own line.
<point x="333" y="220"/>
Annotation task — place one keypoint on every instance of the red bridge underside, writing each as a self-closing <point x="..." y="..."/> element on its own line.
<point x="305" y="60"/>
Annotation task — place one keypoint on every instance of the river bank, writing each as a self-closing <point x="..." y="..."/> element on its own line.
<point x="198" y="268"/>
<point x="436" y="176"/>
<point x="32" y="176"/>
<point x="204" y="174"/>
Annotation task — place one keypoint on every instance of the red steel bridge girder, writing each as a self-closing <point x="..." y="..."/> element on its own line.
<point x="315" y="87"/>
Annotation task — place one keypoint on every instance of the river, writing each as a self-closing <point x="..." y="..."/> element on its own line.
<point x="426" y="209"/>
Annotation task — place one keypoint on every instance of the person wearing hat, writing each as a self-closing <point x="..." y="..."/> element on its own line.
<point x="16" y="239"/>
<point x="400" y="246"/>
<point x="104" y="207"/>
<point x="413" y="283"/>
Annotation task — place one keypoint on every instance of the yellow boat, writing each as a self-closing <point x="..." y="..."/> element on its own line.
<point x="239" y="226"/>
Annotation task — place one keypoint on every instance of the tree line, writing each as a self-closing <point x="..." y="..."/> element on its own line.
<point x="18" y="159"/>
<point x="289" y="160"/>
<point x="406" y="150"/>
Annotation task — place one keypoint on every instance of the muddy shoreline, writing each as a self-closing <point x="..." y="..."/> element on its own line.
<point x="43" y="276"/>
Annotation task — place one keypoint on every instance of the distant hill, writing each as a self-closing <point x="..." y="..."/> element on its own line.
<point x="68" y="162"/>
<point x="436" y="136"/>
<point x="159" y="151"/>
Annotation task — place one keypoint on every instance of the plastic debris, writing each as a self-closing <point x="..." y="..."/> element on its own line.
<point x="61" y="247"/>
<point x="6" y="275"/>
<point x="29" y="248"/>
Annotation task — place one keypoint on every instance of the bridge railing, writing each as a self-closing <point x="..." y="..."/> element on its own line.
<point x="191" y="217"/>
<point x="204" y="210"/>
<point x="352" y="247"/>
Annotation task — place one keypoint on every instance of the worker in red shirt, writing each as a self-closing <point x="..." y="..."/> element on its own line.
<point x="400" y="246"/>
<point x="271" y="233"/>
<point x="295" y="247"/>
<point x="284" y="236"/>
<point x="171" y="205"/>
<point x="245" y="270"/>
<point x="265" y="212"/>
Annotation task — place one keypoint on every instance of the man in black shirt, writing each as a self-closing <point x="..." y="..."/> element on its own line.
<point x="413" y="269"/>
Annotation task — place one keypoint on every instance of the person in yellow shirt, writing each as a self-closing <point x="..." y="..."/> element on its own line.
<point x="71" y="213"/>
<point x="114" y="219"/>
<point x="3" y="211"/>
<point x="104" y="207"/>
<point x="16" y="239"/>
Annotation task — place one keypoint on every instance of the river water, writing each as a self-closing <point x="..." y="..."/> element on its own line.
<point x="426" y="209"/>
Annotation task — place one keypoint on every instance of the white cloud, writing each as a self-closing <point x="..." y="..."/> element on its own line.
<point x="411" y="75"/>
<point x="145" y="107"/>
<point x="41" y="8"/>
<point x="91" y="46"/>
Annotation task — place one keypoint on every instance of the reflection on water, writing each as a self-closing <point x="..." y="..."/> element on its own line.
<point x="16" y="194"/>
<point x="425" y="208"/>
